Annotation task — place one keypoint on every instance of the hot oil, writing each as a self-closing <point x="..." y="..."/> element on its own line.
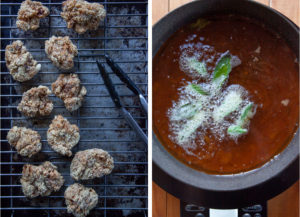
<point x="269" y="73"/>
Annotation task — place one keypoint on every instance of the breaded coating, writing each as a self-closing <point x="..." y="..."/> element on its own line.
<point x="80" y="200"/>
<point x="67" y="88"/>
<point x="61" y="51"/>
<point x="82" y="15"/>
<point x="29" y="15"/>
<point x="90" y="164"/>
<point x="27" y="142"/>
<point x="62" y="136"/>
<point x="40" y="180"/>
<point x="35" y="102"/>
<point x="20" y="62"/>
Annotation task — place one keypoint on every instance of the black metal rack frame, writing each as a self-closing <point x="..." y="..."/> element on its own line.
<point x="122" y="193"/>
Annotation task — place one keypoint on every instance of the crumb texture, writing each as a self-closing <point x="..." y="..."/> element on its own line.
<point x="29" y="15"/>
<point x="67" y="88"/>
<point x="40" y="180"/>
<point x="82" y="15"/>
<point x="35" y="102"/>
<point x="62" y="136"/>
<point x="80" y="200"/>
<point x="61" y="51"/>
<point x="91" y="163"/>
<point x="27" y="142"/>
<point x="20" y="62"/>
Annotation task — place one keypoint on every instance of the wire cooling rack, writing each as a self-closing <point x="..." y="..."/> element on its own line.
<point x="123" y="36"/>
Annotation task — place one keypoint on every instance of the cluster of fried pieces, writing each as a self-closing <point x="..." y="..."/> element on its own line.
<point x="62" y="136"/>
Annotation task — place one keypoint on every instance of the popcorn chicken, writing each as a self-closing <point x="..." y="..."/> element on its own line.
<point x="36" y="102"/>
<point x="61" y="51"/>
<point x="80" y="200"/>
<point x="20" y="62"/>
<point x="29" y="15"/>
<point x="67" y="88"/>
<point x="40" y="180"/>
<point x="91" y="163"/>
<point x="27" y="142"/>
<point x="82" y="15"/>
<point x="62" y="136"/>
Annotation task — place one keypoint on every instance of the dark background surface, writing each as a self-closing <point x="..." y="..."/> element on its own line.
<point x="123" y="36"/>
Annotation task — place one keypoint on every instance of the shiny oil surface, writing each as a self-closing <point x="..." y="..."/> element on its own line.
<point x="269" y="71"/>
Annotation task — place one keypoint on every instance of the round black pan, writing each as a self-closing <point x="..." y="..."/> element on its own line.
<point x="226" y="191"/>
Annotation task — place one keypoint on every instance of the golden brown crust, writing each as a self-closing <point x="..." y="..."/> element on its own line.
<point x="91" y="163"/>
<point x="82" y="15"/>
<point x="20" y="62"/>
<point x="40" y="180"/>
<point x="27" y="142"/>
<point x="30" y="13"/>
<point x="80" y="200"/>
<point x="61" y="51"/>
<point x="62" y="136"/>
<point x="35" y="102"/>
<point x="67" y="88"/>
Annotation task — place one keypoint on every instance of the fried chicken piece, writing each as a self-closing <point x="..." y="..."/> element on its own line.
<point x="29" y="15"/>
<point x="82" y="15"/>
<point x="62" y="136"/>
<point x="40" y="180"/>
<point x="90" y="164"/>
<point x="20" y="62"/>
<point x="36" y="102"/>
<point x="61" y="51"/>
<point x="80" y="200"/>
<point x="67" y="88"/>
<point x="27" y="142"/>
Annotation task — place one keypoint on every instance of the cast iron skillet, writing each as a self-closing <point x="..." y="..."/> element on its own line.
<point x="226" y="191"/>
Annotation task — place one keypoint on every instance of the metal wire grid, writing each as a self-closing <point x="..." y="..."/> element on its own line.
<point x="123" y="35"/>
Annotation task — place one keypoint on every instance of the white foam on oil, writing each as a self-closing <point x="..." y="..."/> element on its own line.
<point x="231" y="103"/>
<point x="233" y="98"/>
<point x="195" y="52"/>
<point x="285" y="102"/>
<point x="194" y="114"/>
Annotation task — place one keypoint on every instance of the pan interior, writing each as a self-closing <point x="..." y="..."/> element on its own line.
<point x="171" y="167"/>
<point x="264" y="76"/>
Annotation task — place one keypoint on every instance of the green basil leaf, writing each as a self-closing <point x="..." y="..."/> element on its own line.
<point x="191" y="127"/>
<point x="187" y="111"/>
<point x="222" y="70"/>
<point x="198" y="89"/>
<point x="199" y="67"/>
<point x="235" y="130"/>
<point x="246" y="112"/>
<point x="200" y="24"/>
<point x="231" y="103"/>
